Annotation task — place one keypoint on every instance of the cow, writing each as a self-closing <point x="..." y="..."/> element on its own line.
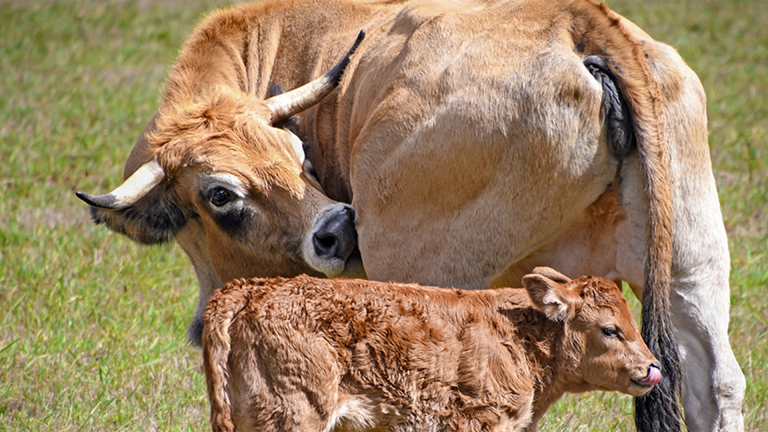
<point x="467" y="142"/>
<point x="308" y="354"/>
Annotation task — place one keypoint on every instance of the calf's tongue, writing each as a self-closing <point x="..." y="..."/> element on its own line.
<point x="653" y="377"/>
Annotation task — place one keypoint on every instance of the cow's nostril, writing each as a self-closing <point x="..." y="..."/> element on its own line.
<point x="324" y="244"/>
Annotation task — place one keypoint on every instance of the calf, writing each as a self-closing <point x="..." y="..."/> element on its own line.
<point x="317" y="355"/>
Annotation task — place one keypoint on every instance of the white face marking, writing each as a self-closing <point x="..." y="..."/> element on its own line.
<point x="227" y="181"/>
<point x="298" y="147"/>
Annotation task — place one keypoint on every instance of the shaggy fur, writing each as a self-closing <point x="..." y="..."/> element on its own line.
<point x="314" y="355"/>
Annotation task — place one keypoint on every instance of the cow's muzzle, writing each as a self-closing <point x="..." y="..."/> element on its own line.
<point x="336" y="237"/>
<point x="332" y="241"/>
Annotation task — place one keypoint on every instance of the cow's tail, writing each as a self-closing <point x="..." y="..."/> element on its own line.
<point x="599" y="32"/>
<point x="222" y="308"/>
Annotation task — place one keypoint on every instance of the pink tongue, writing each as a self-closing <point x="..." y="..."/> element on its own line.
<point x="653" y="378"/>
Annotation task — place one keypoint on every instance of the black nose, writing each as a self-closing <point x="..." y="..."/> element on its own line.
<point x="336" y="237"/>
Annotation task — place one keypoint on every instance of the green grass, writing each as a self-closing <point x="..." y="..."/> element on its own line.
<point x="92" y="326"/>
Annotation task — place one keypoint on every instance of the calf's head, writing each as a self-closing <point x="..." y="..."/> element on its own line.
<point x="604" y="348"/>
<point x="235" y="189"/>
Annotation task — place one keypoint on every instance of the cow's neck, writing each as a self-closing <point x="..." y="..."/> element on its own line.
<point x="329" y="158"/>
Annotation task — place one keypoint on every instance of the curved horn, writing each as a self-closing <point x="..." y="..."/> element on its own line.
<point x="300" y="99"/>
<point x="136" y="186"/>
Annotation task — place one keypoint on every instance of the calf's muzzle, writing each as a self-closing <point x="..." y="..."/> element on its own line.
<point x="653" y="377"/>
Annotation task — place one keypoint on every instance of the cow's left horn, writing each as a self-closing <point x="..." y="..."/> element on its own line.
<point x="302" y="98"/>
<point x="136" y="186"/>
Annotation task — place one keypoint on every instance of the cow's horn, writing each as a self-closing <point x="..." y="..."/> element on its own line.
<point x="136" y="186"/>
<point x="300" y="99"/>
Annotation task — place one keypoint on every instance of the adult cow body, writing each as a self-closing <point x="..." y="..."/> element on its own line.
<point x="475" y="140"/>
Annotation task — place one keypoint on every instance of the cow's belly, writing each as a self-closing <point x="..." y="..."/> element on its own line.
<point x="483" y="246"/>
<point x="445" y="209"/>
<point x="606" y="239"/>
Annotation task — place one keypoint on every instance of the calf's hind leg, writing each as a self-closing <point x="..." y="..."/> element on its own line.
<point x="287" y="381"/>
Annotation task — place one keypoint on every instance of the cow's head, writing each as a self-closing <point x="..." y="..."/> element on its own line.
<point x="218" y="164"/>
<point x="604" y="346"/>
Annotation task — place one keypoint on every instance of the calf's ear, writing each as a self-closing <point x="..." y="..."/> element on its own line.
<point x="550" y="296"/>
<point x="551" y="273"/>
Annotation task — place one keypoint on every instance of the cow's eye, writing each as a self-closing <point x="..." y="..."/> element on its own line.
<point x="219" y="196"/>
<point x="610" y="331"/>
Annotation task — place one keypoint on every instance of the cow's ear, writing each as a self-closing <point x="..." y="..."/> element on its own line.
<point x="550" y="296"/>
<point x="154" y="218"/>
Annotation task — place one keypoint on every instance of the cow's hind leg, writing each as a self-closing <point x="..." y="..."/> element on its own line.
<point x="713" y="384"/>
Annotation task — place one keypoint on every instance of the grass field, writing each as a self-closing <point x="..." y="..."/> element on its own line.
<point x="92" y="326"/>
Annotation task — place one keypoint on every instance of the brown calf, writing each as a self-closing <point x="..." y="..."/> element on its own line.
<point x="313" y="355"/>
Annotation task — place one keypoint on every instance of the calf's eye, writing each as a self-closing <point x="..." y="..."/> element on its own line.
<point x="610" y="332"/>
<point x="219" y="196"/>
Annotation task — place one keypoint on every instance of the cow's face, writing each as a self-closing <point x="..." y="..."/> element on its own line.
<point x="212" y="170"/>
<point x="607" y="350"/>
<point x="222" y="162"/>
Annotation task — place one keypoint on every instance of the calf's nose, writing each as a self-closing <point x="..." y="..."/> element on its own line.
<point x="337" y="237"/>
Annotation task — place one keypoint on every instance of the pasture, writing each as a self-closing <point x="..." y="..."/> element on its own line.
<point x="92" y="326"/>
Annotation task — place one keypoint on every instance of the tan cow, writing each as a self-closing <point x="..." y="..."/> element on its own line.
<point x="309" y="354"/>
<point x="475" y="140"/>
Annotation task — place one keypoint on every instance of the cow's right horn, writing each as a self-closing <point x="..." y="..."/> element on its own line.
<point x="302" y="98"/>
<point x="136" y="186"/>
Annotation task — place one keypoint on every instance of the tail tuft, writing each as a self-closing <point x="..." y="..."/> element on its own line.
<point x="659" y="410"/>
